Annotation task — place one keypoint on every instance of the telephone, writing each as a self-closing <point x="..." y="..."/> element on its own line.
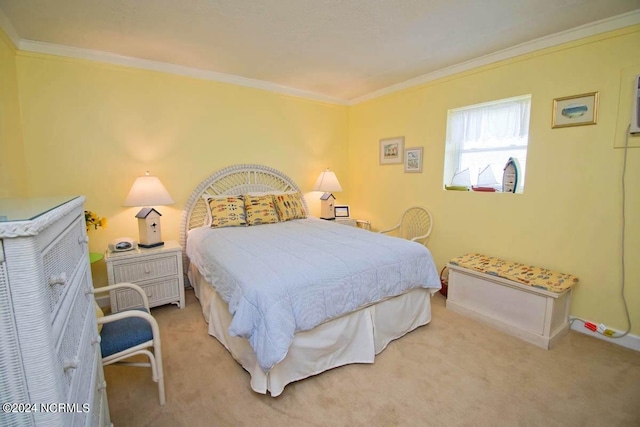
<point x="122" y="244"/>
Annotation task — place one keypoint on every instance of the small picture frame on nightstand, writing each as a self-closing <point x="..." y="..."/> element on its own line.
<point x="341" y="211"/>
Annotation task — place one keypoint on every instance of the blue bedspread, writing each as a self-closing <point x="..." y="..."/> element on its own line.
<point x="292" y="276"/>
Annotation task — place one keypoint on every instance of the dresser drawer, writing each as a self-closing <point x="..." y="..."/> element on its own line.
<point x="99" y="407"/>
<point x="84" y="398"/>
<point x="83" y="383"/>
<point x="148" y="269"/>
<point x="158" y="292"/>
<point x="76" y="335"/>
<point x="60" y="259"/>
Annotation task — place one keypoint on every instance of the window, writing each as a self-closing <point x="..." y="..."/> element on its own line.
<point x="481" y="138"/>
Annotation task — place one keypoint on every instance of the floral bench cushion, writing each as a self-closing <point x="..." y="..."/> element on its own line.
<point x="536" y="277"/>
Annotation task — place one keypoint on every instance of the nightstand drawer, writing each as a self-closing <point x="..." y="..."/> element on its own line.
<point x="146" y="269"/>
<point x="158" y="293"/>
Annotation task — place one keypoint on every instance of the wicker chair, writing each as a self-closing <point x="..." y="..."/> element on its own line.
<point x="129" y="333"/>
<point x="415" y="225"/>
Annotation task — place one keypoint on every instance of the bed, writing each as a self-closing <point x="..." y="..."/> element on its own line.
<point x="294" y="297"/>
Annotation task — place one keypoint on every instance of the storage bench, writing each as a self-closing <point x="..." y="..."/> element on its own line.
<point x="531" y="303"/>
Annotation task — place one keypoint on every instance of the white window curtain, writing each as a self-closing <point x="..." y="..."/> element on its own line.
<point x="487" y="134"/>
<point x="492" y="125"/>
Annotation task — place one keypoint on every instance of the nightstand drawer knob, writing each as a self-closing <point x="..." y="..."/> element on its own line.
<point x="96" y="340"/>
<point x="102" y="386"/>
<point x="83" y="239"/>
<point x="58" y="279"/>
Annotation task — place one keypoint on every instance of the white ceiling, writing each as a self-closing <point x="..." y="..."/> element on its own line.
<point x="340" y="50"/>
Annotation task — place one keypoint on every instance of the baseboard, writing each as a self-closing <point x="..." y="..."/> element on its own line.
<point x="629" y="341"/>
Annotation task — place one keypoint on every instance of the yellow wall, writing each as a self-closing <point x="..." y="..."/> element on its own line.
<point x="13" y="181"/>
<point x="91" y="128"/>
<point x="569" y="217"/>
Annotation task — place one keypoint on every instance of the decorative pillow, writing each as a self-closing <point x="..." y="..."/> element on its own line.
<point x="260" y="209"/>
<point x="99" y="314"/>
<point x="227" y="211"/>
<point x="289" y="206"/>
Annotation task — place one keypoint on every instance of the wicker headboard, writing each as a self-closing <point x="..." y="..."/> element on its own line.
<point x="232" y="180"/>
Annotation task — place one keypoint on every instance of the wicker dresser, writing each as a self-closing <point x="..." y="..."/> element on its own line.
<point x="50" y="364"/>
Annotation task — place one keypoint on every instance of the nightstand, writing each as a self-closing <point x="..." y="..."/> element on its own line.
<point x="360" y="223"/>
<point x="157" y="270"/>
<point x="346" y="221"/>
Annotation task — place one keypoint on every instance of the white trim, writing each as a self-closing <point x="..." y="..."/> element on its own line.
<point x="8" y="29"/>
<point x="587" y="30"/>
<point x="128" y="61"/>
<point x="629" y="341"/>
<point x="583" y="31"/>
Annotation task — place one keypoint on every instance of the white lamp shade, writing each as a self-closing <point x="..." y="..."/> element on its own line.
<point x="327" y="182"/>
<point x="148" y="191"/>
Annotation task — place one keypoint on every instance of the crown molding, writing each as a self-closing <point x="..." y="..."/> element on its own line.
<point x="127" y="61"/>
<point x="577" y="33"/>
<point x="8" y="29"/>
<point x="587" y="30"/>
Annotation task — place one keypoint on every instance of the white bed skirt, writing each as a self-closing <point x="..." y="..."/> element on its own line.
<point x="353" y="338"/>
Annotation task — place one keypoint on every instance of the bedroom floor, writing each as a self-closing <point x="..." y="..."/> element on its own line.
<point x="453" y="372"/>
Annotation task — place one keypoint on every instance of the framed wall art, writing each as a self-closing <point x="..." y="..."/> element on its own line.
<point x="576" y="110"/>
<point x="391" y="150"/>
<point x="413" y="160"/>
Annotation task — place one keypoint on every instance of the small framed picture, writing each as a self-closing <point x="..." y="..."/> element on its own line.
<point x="341" y="211"/>
<point x="391" y="150"/>
<point x="413" y="160"/>
<point x="576" y="110"/>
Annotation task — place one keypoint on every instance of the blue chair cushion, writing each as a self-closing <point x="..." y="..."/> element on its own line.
<point x="123" y="334"/>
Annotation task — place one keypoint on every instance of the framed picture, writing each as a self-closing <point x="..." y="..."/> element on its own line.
<point x="575" y="110"/>
<point x="341" y="211"/>
<point x="391" y="150"/>
<point x="413" y="160"/>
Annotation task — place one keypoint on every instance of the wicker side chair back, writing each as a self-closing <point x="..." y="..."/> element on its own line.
<point x="415" y="225"/>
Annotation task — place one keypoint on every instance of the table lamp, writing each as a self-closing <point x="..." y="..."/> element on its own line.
<point x="148" y="191"/>
<point x="327" y="182"/>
